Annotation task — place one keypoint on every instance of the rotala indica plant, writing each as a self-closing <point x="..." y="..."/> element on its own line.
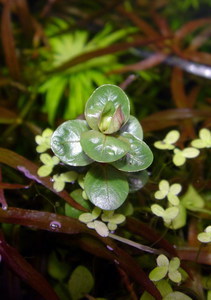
<point x="112" y="141"/>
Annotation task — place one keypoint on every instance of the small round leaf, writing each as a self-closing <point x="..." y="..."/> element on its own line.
<point x="138" y="158"/>
<point x="80" y="283"/>
<point x="106" y="187"/>
<point x="177" y="296"/>
<point x="103" y="148"/>
<point x="98" y="100"/>
<point x="65" y="143"/>
<point x="158" y="273"/>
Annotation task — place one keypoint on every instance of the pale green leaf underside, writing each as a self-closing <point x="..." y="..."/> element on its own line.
<point x="98" y="100"/>
<point x="65" y="143"/>
<point x="103" y="148"/>
<point x="106" y="187"/>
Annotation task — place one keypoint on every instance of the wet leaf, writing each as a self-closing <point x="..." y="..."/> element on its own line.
<point x="133" y="127"/>
<point x="138" y="158"/>
<point x="65" y="143"/>
<point x="106" y="187"/>
<point x="103" y="148"/>
<point x="99" y="98"/>
<point x="137" y="180"/>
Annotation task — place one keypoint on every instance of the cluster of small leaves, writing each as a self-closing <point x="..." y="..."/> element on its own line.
<point x="170" y="269"/>
<point x="110" y="137"/>
<point x="171" y="192"/>
<point x="180" y="156"/>
<point x="112" y="219"/>
<point x="166" y="267"/>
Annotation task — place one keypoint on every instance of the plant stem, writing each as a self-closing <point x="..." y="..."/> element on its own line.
<point x="137" y="245"/>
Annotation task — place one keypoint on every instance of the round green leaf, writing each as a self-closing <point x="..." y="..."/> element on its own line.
<point x="65" y="143"/>
<point x="177" y="296"/>
<point x="103" y="148"/>
<point x="72" y="212"/>
<point x="162" y="260"/>
<point x="180" y="219"/>
<point x="137" y="180"/>
<point x="98" y="100"/>
<point x="133" y="127"/>
<point x="57" y="268"/>
<point x="106" y="187"/>
<point x="138" y="158"/>
<point x="158" y="273"/>
<point x="175" y="276"/>
<point x="80" y="283"/>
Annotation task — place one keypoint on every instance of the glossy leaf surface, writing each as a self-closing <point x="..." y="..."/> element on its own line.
<point x="106" y="187"/>
<point x="133" y="127"/>
<point x="98" y="100"/>
<point x="137" y="180"/>
<point x="65" y="143"/>
<point x="138" y="158"/>
<point x="103" y="148"/>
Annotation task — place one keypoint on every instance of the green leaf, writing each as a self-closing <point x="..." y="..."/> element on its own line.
<point x="158" y="273"/>
<point x="138" y="158"/>
<point x="176" y="296"/>
<point x="65" y="143"/>
<point x="192" y="200"/>
<point x="54" y="93"/>
<point x="57" y="268"/>
<point x="137" y="180"/>
<point x="103" y="148"/>
<point x="174" y="264"/>
<point x="81" y="282"/>
<point x="180" y="219"/>
<point x="101" y="228"/>
<point x="133" y="127"/>
<point x="175" y="276"/>
<point x="72" y="212"/>
<point x="111" y="119"/>
<point x="164" y="287"/>
<point x="162" y="260"/>
<point x="157" y="210"/>
<point x="98" y="100"/>
<point x="106" y="187"/>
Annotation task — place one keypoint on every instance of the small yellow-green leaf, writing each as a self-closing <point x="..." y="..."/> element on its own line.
<point x="172" y="137"/>
<point x="177" y="296"/>
<point x="180" y="219"/>
<point x="101" y="228"/>
<point x="86" y="217"/>
<point x="158" y="273"/>
<point x="162" y="260"/>
<point x="190" y="152"/>
<point x="44" y="171"/>
<point x="157" y="210"/>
